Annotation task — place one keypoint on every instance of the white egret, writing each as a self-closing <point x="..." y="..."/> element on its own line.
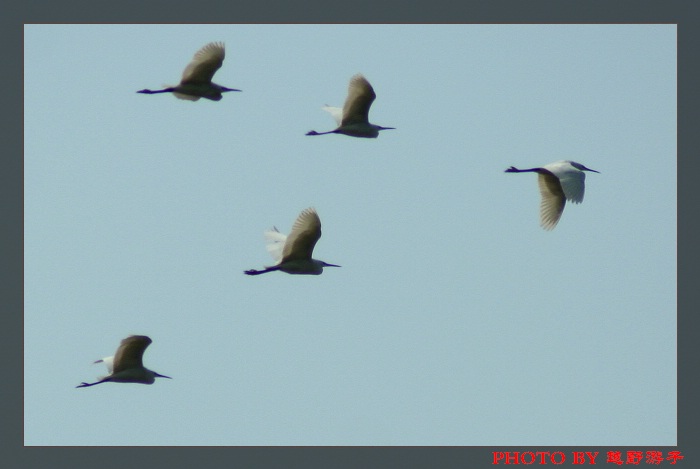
<point x="559" y="181"/>
<point x="293" y="252"/>
<point x="196" y="79"/>
<point x="353" y="119"/>
<point x="126" y="366"/>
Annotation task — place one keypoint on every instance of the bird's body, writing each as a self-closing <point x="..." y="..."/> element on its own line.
<point x="126" y="366"/>
<point x="196" y="79"/>
<point x="559" y="181"/>
<point x="293" y="252"/>
<point x="353" y="119"/>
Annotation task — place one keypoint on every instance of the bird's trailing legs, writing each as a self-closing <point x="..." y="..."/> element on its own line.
<point x="84" y="384"/>
<point x="166" y="90"/>
<point x="258" y="272"/>
<point x="513" y="169"/>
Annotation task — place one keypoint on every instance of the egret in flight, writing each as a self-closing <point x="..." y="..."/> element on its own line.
<point x="353" y="118"/>
<point x="293" y="252"/>
<point x="196" y="79"/>
<point x="559" y="181"/>
<point x="126" y="366"/>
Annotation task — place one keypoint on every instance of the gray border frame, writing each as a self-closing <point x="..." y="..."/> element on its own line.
<point x="678" y="12"/>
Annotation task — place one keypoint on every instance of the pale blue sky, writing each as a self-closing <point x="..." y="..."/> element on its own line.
<point x="455" y="319"/>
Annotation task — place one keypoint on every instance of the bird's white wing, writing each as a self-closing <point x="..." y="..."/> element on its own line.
<point x="573" y="184"/>
<point x="336" y="112"/>
<point x="303" y="237"/>
<point x="553" y="200"/>
<point x="109" y="363"/>
<point x="204" y="64"/>
<point x="275" y="243"/>
<point x="188" y="97"/>
<point x="130" y="352"/>
<point x="360" y="98"/>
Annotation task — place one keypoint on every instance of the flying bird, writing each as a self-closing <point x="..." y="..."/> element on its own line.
<point x="196" y="79"/>
<point x="126" y="366"/>
<point x="293" y="252"/>
<point x="559" y="181"/>
<point x="353" y="119"/>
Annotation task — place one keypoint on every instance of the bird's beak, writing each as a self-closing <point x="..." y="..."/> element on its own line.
<point x="161" y="376"/>
<point x="589" y="169"/>
<point x="223" y="88"/>
<point x="387" y="128"/>
<point x="330" y="265"/>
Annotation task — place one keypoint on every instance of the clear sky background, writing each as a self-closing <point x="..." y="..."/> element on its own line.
<point x="455" y="319"/>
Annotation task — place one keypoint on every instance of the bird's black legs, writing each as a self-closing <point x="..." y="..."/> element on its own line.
<point x="258" y="272"/>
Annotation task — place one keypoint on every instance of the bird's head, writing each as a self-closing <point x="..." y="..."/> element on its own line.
<point x="223" y="89"/>
<point x="581" y="167"/>
<point x="319" y="265"/>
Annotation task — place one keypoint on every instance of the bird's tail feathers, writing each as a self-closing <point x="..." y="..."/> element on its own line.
<point x="108" y="361"/>
<point x="275" y="243"/>
<point x="336" y="112"/>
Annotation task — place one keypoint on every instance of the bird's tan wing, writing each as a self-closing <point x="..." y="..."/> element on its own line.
<point x="303" y="237"/>
<point x="204" y="64"/>
<point x="130" y="352"/>
<point x="553" y="200"/>
<point x="360" y="98"/>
